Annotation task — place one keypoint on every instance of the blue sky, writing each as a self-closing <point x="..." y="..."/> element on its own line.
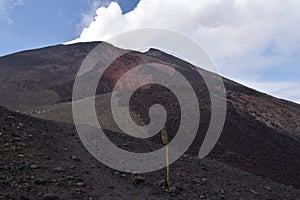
<point x="35" y="23"/>
<point x="254" y="42"/>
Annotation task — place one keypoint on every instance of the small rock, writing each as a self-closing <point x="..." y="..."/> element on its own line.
<point x="10" y="117"/>
<point x="22" y="144"/>
<point x="33" y="166"/>
<point x="202" y="196"/>
<point x="16" y="139"/>
<point x="137" y="180"/>
<point x="75" y="158"/>
<point x="117" y="173"/>
<point x="111" y="187"/>
<point x="58" y="169"/>
<point x="40" y="194"/>
<point x="179" y="187"/>
<point x="50" y="197"/>
<point x="38" y="154"/>
<point x="125" y="145"/>
<point x="268" y="188"/>
<point x="40" y="181"/>
<point x="20" y="124"/>
<point x="1" y="134"/>
<point x="80" y="184"/>
<point x="222" y="191"/>
<point x="94" y="166"/>
<point x="162" y="183"/>
<point x="123" y="175"/>
<point x="70" y="177"/>
<point x="253" y="192"/>
<point x="27" y="187"/>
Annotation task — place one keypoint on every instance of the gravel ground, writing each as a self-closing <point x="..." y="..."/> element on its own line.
<point x="45" y="160"/>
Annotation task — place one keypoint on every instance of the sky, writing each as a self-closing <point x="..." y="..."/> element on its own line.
<point x="254" y="42"/>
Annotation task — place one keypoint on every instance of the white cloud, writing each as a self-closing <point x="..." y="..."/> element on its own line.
<point x="229" y="29"/>
<point x="244" y="37"/>
<point x="88" y="16"/>
<point x="6" y="6"/>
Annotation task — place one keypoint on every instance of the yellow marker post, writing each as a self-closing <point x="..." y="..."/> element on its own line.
<point x="164" y="136"/>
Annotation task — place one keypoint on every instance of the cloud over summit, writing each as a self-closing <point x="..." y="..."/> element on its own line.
<point x="244" y="37"/>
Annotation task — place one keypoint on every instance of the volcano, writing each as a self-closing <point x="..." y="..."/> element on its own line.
<point x="256" y="157"/>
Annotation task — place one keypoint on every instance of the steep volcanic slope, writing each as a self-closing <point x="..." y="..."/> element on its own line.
<point x="45" y="160"/>
<point x="261" y="133"/>
<point x="45" y="76"/>
<point x="32" y="75"/>
<point x="284" y="116"/>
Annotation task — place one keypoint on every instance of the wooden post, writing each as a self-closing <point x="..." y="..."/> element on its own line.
<point x="164" y="136"/>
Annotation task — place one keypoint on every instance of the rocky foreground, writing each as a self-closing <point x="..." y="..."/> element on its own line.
<point x="45" y="160"/>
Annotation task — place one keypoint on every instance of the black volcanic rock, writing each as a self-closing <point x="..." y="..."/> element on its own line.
<point x="46" y="147"/>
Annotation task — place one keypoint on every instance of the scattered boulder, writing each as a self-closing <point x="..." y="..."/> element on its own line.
<point x="40" y="180"/>
<point x="268" y="188"/>
<point x="58" y="169"/>
<point x="75" y="158"/>
<point x="80" y="184"/>
<point x="253" y="192"/>
<point x="137" y="179"/>
<point x="34" y="166"/>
